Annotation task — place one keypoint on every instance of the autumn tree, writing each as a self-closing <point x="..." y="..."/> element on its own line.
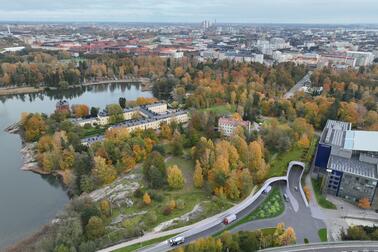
<point x="80" y="110"/>
<point x="34" y="127"/>
<point x="105" y="208"/>
<point x="95" y="228"/>
<point x="198" y="176"/>
<point x="165" y="131"/>
<point x="103" y="172"/>
<point x="175" y="177"/>
<point x="364" y="203"/>
<point x="307" y="192"/>
<point x="147" y="199"/>
<point x="128" y="162"/>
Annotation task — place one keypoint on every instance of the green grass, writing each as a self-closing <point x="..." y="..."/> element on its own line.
<point x="322" y="201"/>
<point x="92" y="132"/>
<point x="271" y="207"/>
<point x="144" y="244"/>
<point x="323" y="234"/>
<point x="278" y="165"/>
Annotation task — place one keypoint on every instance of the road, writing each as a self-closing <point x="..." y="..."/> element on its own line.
<point x="304" y="224"/>
<point x="298" y="86"/>
<point x="292" y="212"/>
<point x="329" y="247"/>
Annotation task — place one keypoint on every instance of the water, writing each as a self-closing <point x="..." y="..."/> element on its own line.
<point x="28" y="200"/>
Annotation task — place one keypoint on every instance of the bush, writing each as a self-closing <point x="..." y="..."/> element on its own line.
<point x="138" y="193"/>
<point x="151" y="218"/>
<point x="306" y="241"/>
<point x="167" y="210"/>
<point x="156" y="196"/>
<point x="180" y="204"/>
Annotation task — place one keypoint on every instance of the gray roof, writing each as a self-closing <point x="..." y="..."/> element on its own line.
<point x="334" y="133"/>
<point x="361" y="140"/>
<point x="352" y="166"/>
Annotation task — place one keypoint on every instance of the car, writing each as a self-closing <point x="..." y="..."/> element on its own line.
<point x="176" y="241"/>
<point x="286" y="197"/>
<point x="296" y="188"/>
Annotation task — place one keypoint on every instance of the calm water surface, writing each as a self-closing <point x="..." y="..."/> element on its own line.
<point x="28" y="200"/>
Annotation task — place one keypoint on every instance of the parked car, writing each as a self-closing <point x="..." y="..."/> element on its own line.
<point x="229" y="219"/>
<point x="176" y="241"/>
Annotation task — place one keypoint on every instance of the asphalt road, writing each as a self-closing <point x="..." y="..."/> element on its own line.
<point x="363" y="246"/>
<point x="288" y="217"/>
<point x="304" y="224"/>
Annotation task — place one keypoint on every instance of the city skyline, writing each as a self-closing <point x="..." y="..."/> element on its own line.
<point x="171" y="11"/>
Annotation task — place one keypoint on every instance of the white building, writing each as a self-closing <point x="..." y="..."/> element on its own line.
<point x="362" y="58"/>
<point x="227" y="126"/>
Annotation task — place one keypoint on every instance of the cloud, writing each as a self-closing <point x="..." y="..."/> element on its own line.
<point x="269" y="11"/>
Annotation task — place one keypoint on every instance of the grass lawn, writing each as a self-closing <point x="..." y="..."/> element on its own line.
<point x="322" y="201"/>
<point x="323" y="234"/>
<point x="144" y="244"/>
<point x="93" y="132"/>
<point x="278" y="165"/>
<point x="271" y="207"/>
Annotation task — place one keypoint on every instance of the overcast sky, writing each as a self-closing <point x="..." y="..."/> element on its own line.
<point x="238" y="11"/>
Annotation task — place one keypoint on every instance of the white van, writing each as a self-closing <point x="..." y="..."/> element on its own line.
<point x="267" y="190"/>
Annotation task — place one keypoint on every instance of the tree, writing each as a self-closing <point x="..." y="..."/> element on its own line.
<point x="105" y="208"/>
<point x="95" y="228"/>
<point x="128" y="162"/>
<point x="115" y="113"/>
<point x="146" y="199"/>
<point x="34" y="127"/>
<point x="364" y="203"/>
<point x="94" y="111"/>
<point x="307" y="192"/>
<point x="80" y="110"/>
<point x="103" y="172"/>
<point x="198" y="176"/>
<point x="122" y="102"/>
<point x="166" y="131"/>
<point x="175" y="178"/>
<point x="154" y="170"/>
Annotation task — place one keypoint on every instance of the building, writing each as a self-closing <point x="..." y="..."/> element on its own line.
<point x="152" y="116"/>
<point x="62" y="106"/>
<point x="362" y="58"/>
<point x="347" y="160"/>
<point x="227" y="125"/>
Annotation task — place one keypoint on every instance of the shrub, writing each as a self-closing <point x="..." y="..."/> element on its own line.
<point x="180" y="204"/>
<point x="156" y="196"/>
<point x="306" y="241"/>
<point x="167" y="210"/>
<point x="138" y="193"/>
<point x="151" y="218"/>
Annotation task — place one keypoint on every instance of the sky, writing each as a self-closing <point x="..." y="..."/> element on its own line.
<point x="234" y="11"/>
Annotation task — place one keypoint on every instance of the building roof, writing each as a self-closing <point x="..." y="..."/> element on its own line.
<point x="361" y="140"/>
<point x="334" y="133"/>
<point x="233" y="122"/>
<point x="353" y="166"/>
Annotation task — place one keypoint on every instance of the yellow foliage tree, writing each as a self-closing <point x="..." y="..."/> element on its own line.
<point x="198" y="176"/>
<point x="147" y="199"/>
<point x="103" y="172"/>
<point x="128" y="162"/>
<point x="304" y="142"/>
<point x="307" y="192"/>
<point x="175" y="177"/>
